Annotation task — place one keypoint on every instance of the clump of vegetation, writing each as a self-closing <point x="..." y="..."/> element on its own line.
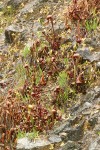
<point x="23" y="116"/>
<point x="83" y="15"/>
<point x="29" y="109"/>
<point x="53" y="39"/>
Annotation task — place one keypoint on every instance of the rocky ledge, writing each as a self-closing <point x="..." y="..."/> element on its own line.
<point x="80" y="132"/>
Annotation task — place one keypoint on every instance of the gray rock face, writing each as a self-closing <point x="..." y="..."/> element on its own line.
<point x="88" y="101"/>
<point x="92" y="94"/>
<point x="3" y="46"/>
<point x="39" y="144"/>
<point x="61" y="128"/>
<point x="26" y="144"/>
<point x="70" y="145"/>
<point x="86" y="54"/>
<point x="87" y="114"/>
<point x="2" y="5"/>
<point x="98" y="65"/>
<point x="12" y="32"/>
<point x="87" y="105"/>
<point x="95" y="145"/>
<point x="54" y="139"/>
<point x="29" y="7"/>
<point x="75" y="133"/>
<point x="94" y="41"/>
<point x="15" y="3"/>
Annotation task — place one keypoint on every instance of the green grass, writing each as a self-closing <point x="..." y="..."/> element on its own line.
<point x="38" y="77"/>
<point x="26" y="51"/>
<point x="62" y="79"/>
<point x="92" y="24"/>
<point x="32" y="135"/>
<point x="20" y="75"/>
<point x="21" y="134"/>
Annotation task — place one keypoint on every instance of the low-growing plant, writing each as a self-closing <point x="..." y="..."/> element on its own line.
<point x="80" y="13"/>
<point x="62" y="79"/>
<point x="91" y="24"/>
<point x="52" y="38"/>
<point x="26" y="51"/>
<point x="32" y="135"/>
<point x="20" y="117"/>
<point x="21" y="134"/>
<point x="27" y="112"/>
<point x="20" y="75"/>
